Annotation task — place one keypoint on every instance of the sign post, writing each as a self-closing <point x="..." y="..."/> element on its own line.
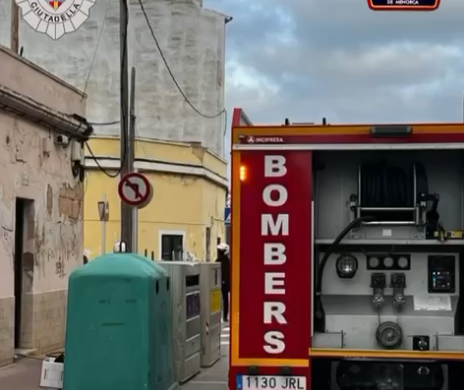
<point x="227" y="223"/>
<point x="103" y="212"/>
<point x="136" y="191"/>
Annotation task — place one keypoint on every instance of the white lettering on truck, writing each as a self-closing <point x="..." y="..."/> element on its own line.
<point x="274" y="195"/>
<point x="274" y="253"/>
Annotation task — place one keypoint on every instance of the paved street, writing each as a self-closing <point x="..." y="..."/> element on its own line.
<point x="25" y="373"/>
<point x="213" y="378"/>
<point x="225" y="335"/>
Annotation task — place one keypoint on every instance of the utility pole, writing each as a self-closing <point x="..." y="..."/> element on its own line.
<point x="126" y="162"/>
<point x="14" y="34"/>
<point x="131" y="155"/>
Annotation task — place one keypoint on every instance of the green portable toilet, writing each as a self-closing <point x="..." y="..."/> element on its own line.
<point x="118" y="333"/>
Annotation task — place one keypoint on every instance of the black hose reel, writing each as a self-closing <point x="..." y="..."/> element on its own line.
<point x="395" y="191"/>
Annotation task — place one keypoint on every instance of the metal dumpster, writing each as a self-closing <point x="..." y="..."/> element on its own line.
<point x="210" y="302"/>
<point x="186" y="320"/>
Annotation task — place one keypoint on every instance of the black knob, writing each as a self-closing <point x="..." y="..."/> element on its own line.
<point x="423" y="345"/>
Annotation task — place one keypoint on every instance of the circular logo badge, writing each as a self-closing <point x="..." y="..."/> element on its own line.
<point x="55" y="18"/>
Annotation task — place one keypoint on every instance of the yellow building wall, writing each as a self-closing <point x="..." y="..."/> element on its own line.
<point x="181" y="202"/>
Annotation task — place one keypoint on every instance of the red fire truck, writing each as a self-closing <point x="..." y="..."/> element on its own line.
<point x="346" y="250"/>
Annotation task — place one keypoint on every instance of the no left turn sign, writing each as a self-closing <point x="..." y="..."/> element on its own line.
<point x="135" y="190"/>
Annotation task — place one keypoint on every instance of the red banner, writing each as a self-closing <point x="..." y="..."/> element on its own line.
<point x="275" y="255"/>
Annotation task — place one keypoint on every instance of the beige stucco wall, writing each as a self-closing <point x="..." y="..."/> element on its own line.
<point x="32" y="167"/>
<point x="189" y="189"/>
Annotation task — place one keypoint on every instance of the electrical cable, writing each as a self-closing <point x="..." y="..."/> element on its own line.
<point x="121" y="78"/>
<point x="170" y="71"/>
<point x="225" y="123"/>
<point x="109" y="174"/>
<point x="124" y="136"/>
<point x="96" y="48"/>
<point x="104" y="123"/>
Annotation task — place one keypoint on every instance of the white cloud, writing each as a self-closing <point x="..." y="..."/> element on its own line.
<point x="305" y="59"/>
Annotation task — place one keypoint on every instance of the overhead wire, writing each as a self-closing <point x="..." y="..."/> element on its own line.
<point x="102" y="169"/>
<point x="104" y="123"/>
<point x="171" y="74"/>
<point x="123" y="95"/>
<point x="124" y="136"/>
<point x="225" y="123"/>
<point x="97" y="46"/>
<point x="124" y="114"/>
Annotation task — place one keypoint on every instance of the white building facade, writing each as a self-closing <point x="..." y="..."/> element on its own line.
<point x="192" y="39"/>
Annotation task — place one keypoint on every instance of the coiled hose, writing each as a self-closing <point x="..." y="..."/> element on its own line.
<point x="385" y="186"/>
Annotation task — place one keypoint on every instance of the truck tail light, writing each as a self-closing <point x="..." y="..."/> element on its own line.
<point x="243" y="172"/>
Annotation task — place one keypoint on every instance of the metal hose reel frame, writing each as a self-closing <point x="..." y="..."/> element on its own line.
<point x="389" y="335"/>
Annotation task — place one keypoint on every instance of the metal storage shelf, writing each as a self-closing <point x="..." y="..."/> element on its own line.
<point x="329" y="241"/>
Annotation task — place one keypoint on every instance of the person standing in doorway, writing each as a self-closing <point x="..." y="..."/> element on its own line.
<point x="223" y="258"/>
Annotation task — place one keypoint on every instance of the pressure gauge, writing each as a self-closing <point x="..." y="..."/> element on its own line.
<point x="374" y="262"/>
<point x="403" y="262"/>
<point x="388" y="262"/>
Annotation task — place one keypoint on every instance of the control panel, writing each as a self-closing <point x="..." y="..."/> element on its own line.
<point x="441" y="274"/>
<point x="394" y="262"/>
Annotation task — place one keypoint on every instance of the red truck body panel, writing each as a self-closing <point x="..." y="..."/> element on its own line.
<point x="256" y="199"/>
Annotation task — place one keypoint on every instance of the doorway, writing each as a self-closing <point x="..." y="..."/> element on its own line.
<point x="18" y="268"/>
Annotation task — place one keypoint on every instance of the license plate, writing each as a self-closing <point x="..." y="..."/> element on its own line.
<point x="254" y="382"/>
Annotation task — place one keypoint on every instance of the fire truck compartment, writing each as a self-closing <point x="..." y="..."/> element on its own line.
<point x="352" y="319"/>
<point x="388" y="237"/>
<point x="356" y="374"/>
<point x="338" y="175"/>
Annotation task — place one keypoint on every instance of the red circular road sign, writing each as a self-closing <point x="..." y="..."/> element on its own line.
<point x="135" y="190"/>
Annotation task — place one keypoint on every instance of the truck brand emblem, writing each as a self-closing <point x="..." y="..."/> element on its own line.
<point x="265" y="140"/>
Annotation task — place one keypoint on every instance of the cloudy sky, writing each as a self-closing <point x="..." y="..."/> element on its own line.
<point x="306" y="59"/>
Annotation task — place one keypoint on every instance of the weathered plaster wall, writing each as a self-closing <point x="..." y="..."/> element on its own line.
<point x="192" y="39"/>
<point x="33" y="168"/>
<point x="54" y="227"/>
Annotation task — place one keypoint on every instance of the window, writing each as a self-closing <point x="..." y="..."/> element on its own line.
<point x="172" y="247"/>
